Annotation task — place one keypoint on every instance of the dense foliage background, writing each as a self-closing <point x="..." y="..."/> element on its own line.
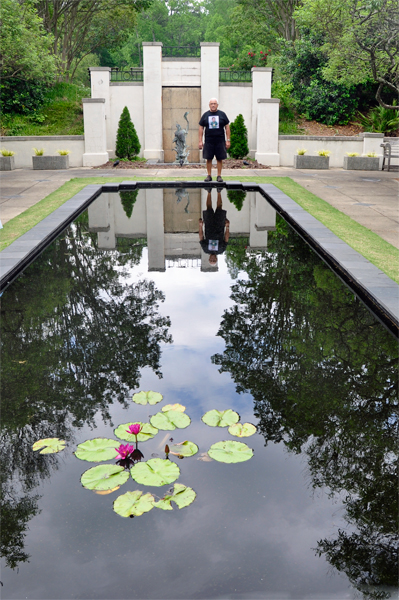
<point x="331" y="58"/>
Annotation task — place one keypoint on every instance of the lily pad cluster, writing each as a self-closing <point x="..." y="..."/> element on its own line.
<point x="155" y="472"/>
<point x="229" y="451"/>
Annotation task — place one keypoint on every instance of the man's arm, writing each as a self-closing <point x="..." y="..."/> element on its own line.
<point x="200" y="137"/>
<point x="201" y="231"/>
<point x="227" y="128"/>
<point x="227" y="231"/>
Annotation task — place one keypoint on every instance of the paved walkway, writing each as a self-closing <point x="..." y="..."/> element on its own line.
<point x="369" y="197"/>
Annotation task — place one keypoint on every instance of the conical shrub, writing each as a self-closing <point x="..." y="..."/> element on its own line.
<point x="127" y="140"/>
<point x="238" y="138"/>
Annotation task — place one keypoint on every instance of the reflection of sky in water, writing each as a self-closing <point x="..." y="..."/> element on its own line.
<point x="250" y="532"/>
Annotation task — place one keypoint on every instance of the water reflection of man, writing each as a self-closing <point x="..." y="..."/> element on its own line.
<point x="217" y="229"/>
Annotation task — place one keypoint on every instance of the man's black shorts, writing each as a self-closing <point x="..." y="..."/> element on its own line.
<point x="214" y="148"/>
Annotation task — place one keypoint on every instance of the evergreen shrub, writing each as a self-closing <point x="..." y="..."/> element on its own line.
<point x="127" y="141"/>
<point x="238" y="138"/>
<point x="128" y="199"/>
<point x="237" y="198"/>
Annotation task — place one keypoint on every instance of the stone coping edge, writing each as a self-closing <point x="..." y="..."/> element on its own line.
<point x="375" y="289"/>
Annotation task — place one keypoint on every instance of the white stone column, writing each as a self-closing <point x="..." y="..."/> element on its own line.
<point x="372" y="143"/>
<point x="261" y="88"/>
<point x="152" y="76"/>
<point x="267" y="132"/>
<point x="100" y="78"/>
<point x="95" y="132"/>
<point x="209" y="73"/>
<point x="155" y="229"/>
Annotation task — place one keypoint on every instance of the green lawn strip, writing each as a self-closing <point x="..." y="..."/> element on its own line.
<point x="369" y="244"/>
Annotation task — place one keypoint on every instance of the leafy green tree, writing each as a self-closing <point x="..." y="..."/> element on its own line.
<point x="238" y="138"/>
<point x="76" y="319"/>
<point x="24" y="44"/>
<point x="361" y="42"/>
<point x="303" y="62"/>
<point x="127" y="141"/>
<point x="237" y="198"/>
<point x="323" y="376"/>
<point x="80" y="27"/>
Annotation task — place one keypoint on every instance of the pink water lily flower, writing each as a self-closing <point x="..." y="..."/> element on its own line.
<point x="123" y="451"/>
<point x="134" y="429"/>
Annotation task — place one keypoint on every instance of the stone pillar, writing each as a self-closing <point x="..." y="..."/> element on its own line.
<point x="372" y="143"/>
<point x="95" y="132"/>
<point x="152" y="75"/>
<point x="209" y="73"/>
<point x="155" y="229"/>
<point x="100" y="78"/>
<point x="261" y="88"/>
<point x="267" y="132"/>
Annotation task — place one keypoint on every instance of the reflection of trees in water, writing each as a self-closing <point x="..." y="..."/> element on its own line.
<point x="323" y="375"/>
<point x="75" y="335"/>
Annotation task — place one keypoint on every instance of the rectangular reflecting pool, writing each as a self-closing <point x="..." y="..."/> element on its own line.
<point x="280" y="378"/>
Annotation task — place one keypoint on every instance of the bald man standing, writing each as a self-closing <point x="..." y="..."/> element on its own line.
<point x="215" y="123"/>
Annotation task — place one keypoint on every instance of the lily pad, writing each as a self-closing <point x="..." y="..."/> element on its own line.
<point x="182" y="496"/>
<point x="97" y="450"/>
<point x="183" y="449"/>
<point x="49" y="445"/>
<point x="178" y="407"/>
<point x="104" y="477"/>
<point x="230" y="452"/>
<point x="147" y="398"/>
<point x="147" y="432"/>
<point x="242" y="429"/>
<point x="155" y="472"/>
<point x="170" y="420"/>
<point x="220" y="418"/>
<point x="133" y="504"/>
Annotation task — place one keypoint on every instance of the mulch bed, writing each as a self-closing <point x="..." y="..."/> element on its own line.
<point x="227" y="164"/>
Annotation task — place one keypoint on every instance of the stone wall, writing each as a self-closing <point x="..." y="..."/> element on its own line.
<point x="23" y="148"/>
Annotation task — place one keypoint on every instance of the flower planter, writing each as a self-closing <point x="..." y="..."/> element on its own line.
<point x="7" y="163"/>
<point x="301" y="161"/>
<point x="50" y="163"/>
<point x="362" y="163"/>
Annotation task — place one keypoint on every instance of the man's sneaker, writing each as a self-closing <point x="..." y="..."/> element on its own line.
<point x="208" y="178"/>
<point x="219" y="189"/>
<point x="219" y="179"/>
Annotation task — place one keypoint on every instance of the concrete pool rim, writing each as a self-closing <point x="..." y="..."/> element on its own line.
<point x="373" y="287"/>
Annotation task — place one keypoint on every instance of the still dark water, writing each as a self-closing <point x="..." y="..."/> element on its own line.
<point x="126" y="301"/>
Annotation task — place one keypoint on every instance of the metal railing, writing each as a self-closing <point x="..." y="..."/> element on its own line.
<point x="132" y="74"/>
<point x="181" y="51"/>
<point x="227" y="76"/>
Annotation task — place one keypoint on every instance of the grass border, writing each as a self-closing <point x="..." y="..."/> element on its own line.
<point x="379" y="252"/>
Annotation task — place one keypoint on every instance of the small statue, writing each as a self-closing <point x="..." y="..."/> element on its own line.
<point x="182" y="151"/>
<point x="182" y="193"/>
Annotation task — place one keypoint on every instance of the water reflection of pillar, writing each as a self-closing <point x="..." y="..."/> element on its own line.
<point x="155" y="230"/>
<point x="262" y="220"/>
<point x="102" y="221"/>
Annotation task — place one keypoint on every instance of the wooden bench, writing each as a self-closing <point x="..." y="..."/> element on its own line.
<point x="391" y="150"/>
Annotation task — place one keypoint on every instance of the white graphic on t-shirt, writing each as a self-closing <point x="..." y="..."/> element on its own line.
<point x="213" y="245"/>
<point x="213" y="122"/>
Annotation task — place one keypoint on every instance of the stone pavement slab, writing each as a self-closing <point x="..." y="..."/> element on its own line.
<point x="370" y="198"/>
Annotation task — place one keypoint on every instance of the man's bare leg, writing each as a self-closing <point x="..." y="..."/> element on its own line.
<point x="219" y="201"/>
<point x="209" y="201"/>
<point x="209" y="167"/>
<point x="219" y="167"/>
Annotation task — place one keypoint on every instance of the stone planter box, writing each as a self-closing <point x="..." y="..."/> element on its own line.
<point x="362" y="163"/>
<point x="7" y="163"/>
<point x="301" y="161"/>
<point x="50" y="163"/>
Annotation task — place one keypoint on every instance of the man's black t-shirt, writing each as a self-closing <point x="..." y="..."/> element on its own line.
<point x="214" y="124"/>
